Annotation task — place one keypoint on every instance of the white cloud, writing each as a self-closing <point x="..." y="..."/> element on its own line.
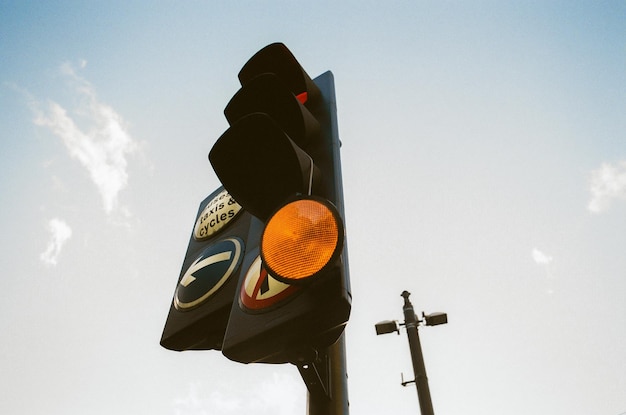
<point x="191" y="404"/>
<point x="607" y="183"/>
<point x="61" y="232"/>
<point x="102" y="148"/>
<point x="280" y="395"/>
<point x="541" y="258"/>
<point x="544" y="260"/>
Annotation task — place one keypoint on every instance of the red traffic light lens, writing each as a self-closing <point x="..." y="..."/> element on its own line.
<point x="301" y="239"/>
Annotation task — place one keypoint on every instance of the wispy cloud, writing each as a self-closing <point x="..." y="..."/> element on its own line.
<point x="541" y="258"/>
<point x="60" y="234"/>
<point x="544" y="260"/>
<point x="102" y="147"/>
<point x="279" y="395"/>
<point x="607" y="183"/>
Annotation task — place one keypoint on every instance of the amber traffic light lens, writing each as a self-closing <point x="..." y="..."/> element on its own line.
<point x="301" y="239"/>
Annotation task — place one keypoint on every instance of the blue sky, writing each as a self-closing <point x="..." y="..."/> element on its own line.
<point x="484" y="170"/>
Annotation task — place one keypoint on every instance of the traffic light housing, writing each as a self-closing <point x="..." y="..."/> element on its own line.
<point x="208" y="279"/>
<point x="280" y="160"/>
<point x="265" y="277"/>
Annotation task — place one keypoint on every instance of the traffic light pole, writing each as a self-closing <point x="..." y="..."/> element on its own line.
<point x="421" y="380"/>
<point x="335" y="401"/>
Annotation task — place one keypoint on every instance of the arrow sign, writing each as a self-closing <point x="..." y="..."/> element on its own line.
<point x="208" y="273"/>
<point x="200" y="263"/>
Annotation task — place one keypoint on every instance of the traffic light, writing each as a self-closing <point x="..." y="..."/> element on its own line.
<point x="208" y="280"/>
<point x="280" y="160"/>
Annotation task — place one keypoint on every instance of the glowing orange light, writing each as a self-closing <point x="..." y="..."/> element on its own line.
<point x="301" y="239"/>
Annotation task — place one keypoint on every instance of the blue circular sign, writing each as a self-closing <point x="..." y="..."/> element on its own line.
<point x="208" y="273"/>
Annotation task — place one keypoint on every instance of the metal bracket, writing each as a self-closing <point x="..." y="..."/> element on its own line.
<point x="315" y="373"/>
<point x="405" y="382"/>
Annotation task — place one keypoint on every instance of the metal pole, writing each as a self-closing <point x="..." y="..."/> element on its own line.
<point x="421" y="380"/>
<point x="337" y="403"/>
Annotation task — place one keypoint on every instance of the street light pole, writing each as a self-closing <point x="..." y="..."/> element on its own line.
<point x="411" y="323"/>
<point x="419" y="370"/>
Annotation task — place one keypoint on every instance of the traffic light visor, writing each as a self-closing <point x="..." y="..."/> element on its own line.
<point x="260" y="165"/>
<point x="302" y="239"/>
